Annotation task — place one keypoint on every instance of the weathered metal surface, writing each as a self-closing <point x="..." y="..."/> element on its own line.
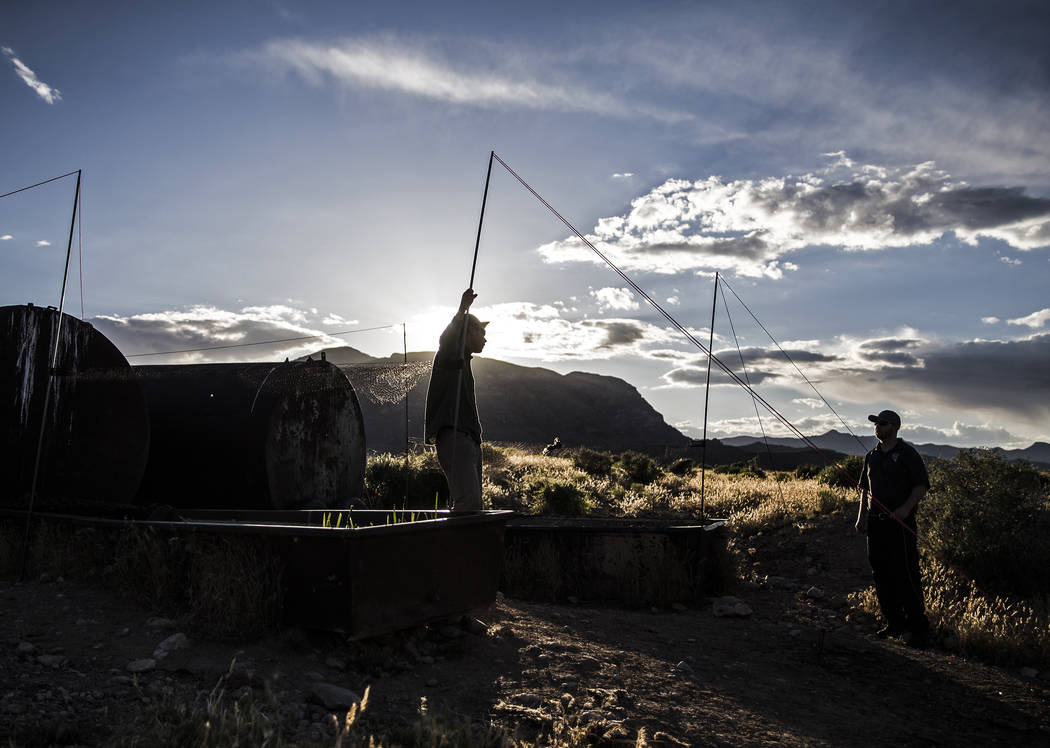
<point x="284" y="436"/>
<point x="370" y="579"/>
<point x="96" y="437"/>
<point x="636" y="562"/>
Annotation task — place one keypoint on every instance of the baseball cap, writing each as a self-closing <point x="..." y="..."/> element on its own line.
<point x="886" y="415"/>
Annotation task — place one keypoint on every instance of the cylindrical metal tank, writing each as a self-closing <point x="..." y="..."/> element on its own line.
<point x="264" y="436"/>
<point x="96" y="435"/>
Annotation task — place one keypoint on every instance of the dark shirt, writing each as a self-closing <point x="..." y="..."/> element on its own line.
<point x="452" y="365"/>
<point x="891" y="476"/>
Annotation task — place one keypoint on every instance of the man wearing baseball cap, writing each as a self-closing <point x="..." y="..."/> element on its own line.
<point x="892" y="483"/>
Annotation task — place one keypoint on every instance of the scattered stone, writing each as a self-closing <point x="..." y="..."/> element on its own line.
<point x="26" y="648"/>
<point x="527" y="699"/>
<point x="160" y="623"/>
<point x="782" y="583"/>
<point x="474" y="626"/>
<point x="731" y="607"/>
<point x="52" y="660"/>
<point x="678" y="608"/>
<point x="171" y="644"/>
<point x="141" y="666"/>
<point x="333" y="697"/>
<point x="795" y="633"/>
<point x="335" y="663"/>
<point x="314" y="675"/>
<point x="427" y="660"/>
<point x="124" y="631"/>
<point x="591" y="715"/>
<point x="588" y="664"/>
<point x="572" y="600"/>
<point x="567" y="701"/>
<point x="811" y="571"/>
<point x="431" y="682"/>
<point x="556" y="646"/>
<point x="815" y="593"/>
<point x="1029" y="672"/>
<point x="569" y="685"/>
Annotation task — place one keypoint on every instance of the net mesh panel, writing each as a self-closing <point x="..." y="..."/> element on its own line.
<point x="382" y="384"/>
<point x="385" y="384"/>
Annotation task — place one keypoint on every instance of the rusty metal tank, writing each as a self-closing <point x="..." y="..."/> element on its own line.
<point x="253" y="436"/>
<point x="96" y="435"/>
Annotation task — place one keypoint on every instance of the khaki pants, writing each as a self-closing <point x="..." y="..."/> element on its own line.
<point x="462" y="469"/>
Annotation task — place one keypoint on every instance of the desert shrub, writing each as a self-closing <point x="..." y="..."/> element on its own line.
<point x="594" y="463"/>
<point x="548" y="496"/>
<point x="493" y="455"/>
<point x="989" y="517"/>
<point x="748" y="469"/>
<point x="413" y="483"/>
<point x="681" y="466"/>
<point x="639" y="468"/>
<point x="842" y="474"/>
<point x="806" y="471"/>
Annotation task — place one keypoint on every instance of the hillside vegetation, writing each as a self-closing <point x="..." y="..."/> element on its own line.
<point x="982" y="527"/>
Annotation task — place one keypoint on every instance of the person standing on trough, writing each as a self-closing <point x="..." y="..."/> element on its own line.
<point x="452" y="421"/>
<point x="892" y="483"/>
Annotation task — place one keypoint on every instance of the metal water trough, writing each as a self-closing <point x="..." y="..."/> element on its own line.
<point x="385" y="573"/>
<point x="628" y="561"/>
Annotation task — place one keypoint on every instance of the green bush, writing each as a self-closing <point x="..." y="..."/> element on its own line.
<point x="842" y="474"/>
<point x="806" y="471"/>
<point x="395" y="482"/>
<point x="598" y="464"/>
<point x="989" y="517"/>
<point x="547" y="496"/>
<point x="639" y="468"/>
<point x="681" y="466"/>
<point x="748" y="469"/>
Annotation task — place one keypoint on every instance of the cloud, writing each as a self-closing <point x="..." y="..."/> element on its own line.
<point x="623" y="175"/>
<point x="334" y="320"/>
<point x="1033" y="320"/>
<point x="990" y="320"/>
<point x="6" y="237"/>
<point x="1010" y="261"/>
<point x="620" y="299"/>
<point x="208" y="326"/>
<point x="44" y="91"/>
<point x="964" y="435"/>
<point x="405" y="66"/>
<point x="544" y="332"/>
<point x="747" y="226"/>
<point x="43" y="243"/>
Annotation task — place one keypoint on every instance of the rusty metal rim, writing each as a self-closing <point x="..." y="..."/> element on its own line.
<point x="232" y="527"/>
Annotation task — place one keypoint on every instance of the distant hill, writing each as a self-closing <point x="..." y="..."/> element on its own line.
<point x="1038" y="453"/>
<point x="521" y="405"/>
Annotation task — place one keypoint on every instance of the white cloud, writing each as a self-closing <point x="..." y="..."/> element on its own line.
<point x="205" y="326"/>
<point x="809" y="402"/>
<point x="747" y="226"/>
<point x="673" y="300"/>
<point x="1033" y="320"/>
<point x="336" y="320"/>
<point x="44" y="91"/>
<point x="43" y="243"/>
<point x="619" y="299"/>
<point x="1010" y="260"/>
<point x="623" y="175"/>
<point x="6" y="237"/>
<point x="405" y="66"/>
<point x="990" y="320"/>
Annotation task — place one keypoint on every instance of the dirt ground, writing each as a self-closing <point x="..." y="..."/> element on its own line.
<point x="795" y="671"/>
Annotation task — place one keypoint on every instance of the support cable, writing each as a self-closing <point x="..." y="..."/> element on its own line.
<point x="743" y="368"/>
<point x="666" y="315"/>
<point x="792" y="362"/>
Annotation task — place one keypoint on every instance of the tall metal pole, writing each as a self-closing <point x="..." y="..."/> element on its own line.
<point x="53" y="362"/>
<point x="463" y="333"/>
<point x="707" y="394"/>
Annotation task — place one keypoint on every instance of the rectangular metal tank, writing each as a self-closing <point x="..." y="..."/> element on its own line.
<point x="629" y="561"/>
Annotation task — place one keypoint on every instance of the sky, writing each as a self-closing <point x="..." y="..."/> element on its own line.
<point x="871" y="185"/>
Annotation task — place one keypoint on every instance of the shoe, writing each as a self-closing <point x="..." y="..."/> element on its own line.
<point x="892" y="630"/>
